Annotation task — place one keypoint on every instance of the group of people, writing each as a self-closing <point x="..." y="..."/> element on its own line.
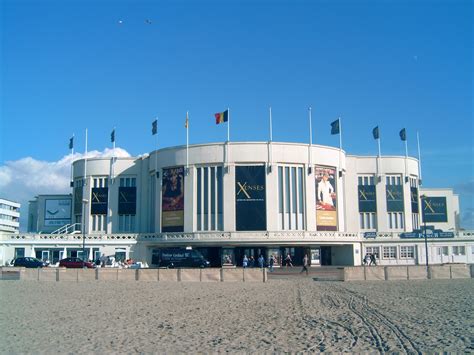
<point x="288" y="262"/>
<point x="370" y="259"/>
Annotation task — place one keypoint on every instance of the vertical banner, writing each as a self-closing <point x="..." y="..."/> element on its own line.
<point x="99" y="197"/>
<point x="326" y="208"/>
<point x="78" y="200"/>
<point x="127" y="200"/>
<point x="172" y="207"/>
<point x="434" y="209"/>
<point x="367" y="198"/>
<point x="394" y="198"/>
<point x="250" y="206"/>
<point x="414" y="200"/>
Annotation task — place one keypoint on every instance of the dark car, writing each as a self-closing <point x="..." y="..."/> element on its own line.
<point x="75" y="263"/>
<point x="28" y="262"/>
<point x="179" y="257"/>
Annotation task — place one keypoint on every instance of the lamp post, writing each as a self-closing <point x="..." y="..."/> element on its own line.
<point x="84" y="203"/>
<point x="423" y="197"/>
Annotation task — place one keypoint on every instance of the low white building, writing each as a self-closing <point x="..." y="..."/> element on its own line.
<point x="249" y="198"/>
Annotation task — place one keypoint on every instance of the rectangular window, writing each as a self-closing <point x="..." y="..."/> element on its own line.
<point x="368" y="220"/>
<point x="389" y="252"/>
<point x="291" y="198"/>
<point x="459" y="250"/>
<point x="373" y="250"/>
<point x="127" y="223"/>
<point x="445" y="251"/>
<point x="407" y="252"/>
<point x="128" y="182"/>
<point x="99" y="222"/>
<point x="209" y="198"/>
<point x="19" y="253"/>
<point x="396" y="220"/>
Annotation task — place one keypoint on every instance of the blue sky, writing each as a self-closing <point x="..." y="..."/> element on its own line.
<point x="71" y="65"/>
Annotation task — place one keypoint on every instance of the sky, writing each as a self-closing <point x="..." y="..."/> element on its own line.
<point x="70" y="65"/>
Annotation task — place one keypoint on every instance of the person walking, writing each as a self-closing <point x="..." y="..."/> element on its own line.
<point x="261" y="261"/>
<point x="245" y="262"/>
<point x="305" y="264"/>
<point x="373" y="260"/>
<point x="288" y="261"/>
<point x="271" y="261"/>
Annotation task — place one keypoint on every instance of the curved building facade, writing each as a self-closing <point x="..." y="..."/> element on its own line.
<point x="252" y="198"/>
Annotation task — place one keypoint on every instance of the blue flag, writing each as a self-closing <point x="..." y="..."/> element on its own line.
<point x="112" y="136"/>
<point x="376" y="133"/>
<point x="154" y="127"/>
<point x="71" y="142"/>
<point x="403" y="134"/>
<point x="335" y="127"/>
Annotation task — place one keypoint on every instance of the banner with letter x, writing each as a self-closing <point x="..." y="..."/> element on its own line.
<point x="250" y="208"/>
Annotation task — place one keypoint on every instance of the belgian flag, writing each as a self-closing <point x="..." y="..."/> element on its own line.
<point x="222" y="117"/>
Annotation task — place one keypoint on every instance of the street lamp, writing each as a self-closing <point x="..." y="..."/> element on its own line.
<point x="423" y="197"/>
<point x="84" y="203"/>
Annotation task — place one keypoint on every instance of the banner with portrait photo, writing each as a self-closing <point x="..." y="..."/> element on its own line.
<point x="326" y="198"/>
<point x="172" y="204"/>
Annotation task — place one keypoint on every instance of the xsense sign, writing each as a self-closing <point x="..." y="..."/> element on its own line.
<point x="250" y="209"/>
<point x="434" y="209"/>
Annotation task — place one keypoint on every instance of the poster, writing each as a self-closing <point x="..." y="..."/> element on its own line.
<point x="99" y="197"/>
<point x="57" y="212"/>
<point x="172" y="208"/>
<point x="250" y="207"/>
<point x="434" y="209"/>
<point x="394" y="198"/>
<point x="78" y="200"/>
<point x="127" y="200"/>
<point x="414" y="200"/>
<point x="367" y="198"/>
<point x="326" y="198"/>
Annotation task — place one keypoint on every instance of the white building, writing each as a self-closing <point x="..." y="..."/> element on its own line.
<point x="49" y="213"/>
<point x="9" y="216"/>
<point x="252" y="198"/>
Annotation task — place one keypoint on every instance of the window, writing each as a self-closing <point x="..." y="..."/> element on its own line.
<point x="368" y="220"/>
<point x="396" y="220"/>
<point x="373" y="250"/>
<point x="407" y="252"/>
<point x="128" y="182"/>
<point x="415" y="220"/>
<point x="100" y="182"/>
<point x="99" y="222"/>
<point x="290" y="198"/>
<point x="19" y="252"/>
<point x="389" y="252"/>
<point x="366" y="180"/>
<point x="209" y="198"/>
<point x="127" y="223"/>
<point x="393" y="180"/>
<point x="459" y="250"/>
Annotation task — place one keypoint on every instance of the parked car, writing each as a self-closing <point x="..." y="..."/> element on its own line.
<point x="28" y="262"/>
<point x="75" y="263"/>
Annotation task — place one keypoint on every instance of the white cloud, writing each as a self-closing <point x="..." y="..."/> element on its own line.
<point x="21" y="180"/>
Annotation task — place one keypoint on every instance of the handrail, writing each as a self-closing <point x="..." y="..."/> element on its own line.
<point x="66" y="229"/>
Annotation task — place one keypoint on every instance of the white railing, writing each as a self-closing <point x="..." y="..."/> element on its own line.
<point x="68" y="229"/>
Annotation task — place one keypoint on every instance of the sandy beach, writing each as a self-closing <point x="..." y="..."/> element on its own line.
<point x="279" y="316"/>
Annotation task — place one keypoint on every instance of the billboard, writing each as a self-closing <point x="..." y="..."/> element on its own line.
<point x="250" y="207"/>
<point x="394" y="195"/>
<point x="172" y="203"/>
<point x="78" y="200"/>
<point x="127" y="200"/>
<point x="326" y="207"/>
<point x="57" y="212"/>
<point x="414" y="200"/>
<point x="367" y="198"/>
<point x="99" y="196"/>
<point x="434" y="209"/>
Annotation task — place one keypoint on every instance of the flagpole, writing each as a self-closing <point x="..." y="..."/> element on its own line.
<point x="419" y="155"/>
<point x="406" y="161"/>
<point x="270" y="147"/>
<point x="340" y="142"/>
<point x="83" y="199"/>
<point x="380" y="159"/>
<point x="156" y="152"/>
<point x="187" y="142"/>
<point x="72" y="157"/>
<point x="113" y="157"/>
<point x="310" y="140"/>
<point x="228" y="124"/>
<point x="271" y="133"/>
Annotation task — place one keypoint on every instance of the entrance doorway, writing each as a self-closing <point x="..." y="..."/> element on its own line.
<point x="326" y="256"/>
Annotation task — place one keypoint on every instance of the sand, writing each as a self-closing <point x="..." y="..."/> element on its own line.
<point x="295" y="315"/>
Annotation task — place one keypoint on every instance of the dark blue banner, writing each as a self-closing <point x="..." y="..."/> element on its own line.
<point x="434" y="209"/>
<point x="414" y="200"/>
<point x="127" y="200"/>
<point x="99" y="196"/>
<point x="394" y="198"/>
<point x="430" y="233"/>
<point x="250" y="208"/>
<point x="78" y="200"/>
<point x="367" y="198"/>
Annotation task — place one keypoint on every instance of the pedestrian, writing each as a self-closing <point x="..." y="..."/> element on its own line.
<point x="103" y="260"/>
<point x="366" y="259"/>
<point x="288" y="261"/>
<point x="251" y="261"/>
<point x="271" y="262"/>
<point x="305" y="264"/>
<point x="245" y="261"/>
<point x="261" y="261"/>
<point x="373" y="260"/>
